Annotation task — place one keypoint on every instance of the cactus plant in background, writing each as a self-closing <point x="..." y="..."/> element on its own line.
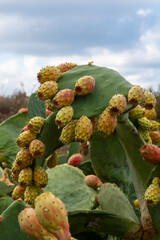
<point x="115" y="193"/>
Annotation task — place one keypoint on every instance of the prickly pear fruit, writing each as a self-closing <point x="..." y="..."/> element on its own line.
<point x="107" y="122"/>
<point x="84" y="85"/>
<point x="83" y="129"/>
<point x="36" y="123"/>
<point x="92" y="181"/>
<point x="15" y="175"/>
<point x="68" y="132"/>
<point x="149" y="100"/>
<point x="49" y="105"/>
<point x="40" y="177"/>
<point x="25" y="138"/>
<point x="36" y="148"/>
<point x="154" y="125"/>
<point x="25" y="177"/>
<point x="136" y="203"/>
<point x="64" y="116"/>
<point x="145" y="135"/>
<point x="156" y="180"/>
<point x="24" y="158"/>
<point x="52" y="215"/>
<point x="63" y="67"/>
<point x="144" y="123"/>
<point x="16" y="167"/>
<point x="135" y="95"/>
<point x="152" y="194"/>
<point x="150" y="114"/>
<point x="63" y="98"/>
<point x="31" y="227"/>
<point x="137" y="112"/>
<point x="47" y="90"/>
<point x="18" y="192"/>
<point x="155" y="136"/>
<point x="49" y="73"/>
<point x="52" y="160"/>
<point x="117" y="104"/>
<point x="31" y="192"/>
<point x="25" y="128"/>
<point x="75" y="160"/>
<point x="150" y="153"/>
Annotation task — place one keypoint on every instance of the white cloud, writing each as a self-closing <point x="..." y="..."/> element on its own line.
<point x="144" y="12"/>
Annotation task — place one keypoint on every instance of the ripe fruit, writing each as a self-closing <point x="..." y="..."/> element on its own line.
<point x="106" y="122"/>
<point x="154" y="125"/>
<point x="150" y="153"/>
<point x="144" y="123"/>
<point x="83" y="129"/>
<point x="155" y="136"/>
<point x="40" y="177"/>
<point x="75" y="160"/>
<point x="47" y="90"/>
<point x="135" y="95"/>
<point x="31" y="193"/>
<point x="31" y="227"/>
<point x="36" y="123"/>
<point x="25" y="128"/>
<point x="63" y="67"/>
<point x="63" y="98"/>
<point x="145" y="135"/>
<point x="137" y="112"/>
<point x="52" y="160"/>
<point x="18" y="192"/>
<point x="117" y="104"/>
<point x="84" y="85"/>
<point x="49" y="105"/>
<point x="149" y="100"/>
<point x="25" y="177"/>
<point x="49" y="73"/>
<point x="150" y="114"/>
<point x="25" y="110"/>
<point x="68" y="132"/>
<point x="52" y="215"/>
<point x="24" y="158"/>
<point x="64" y="116"/>
<point x="36" y="148"/>
<point x="25" y="138"/>
<point x="92" y="181"/>
<point x="152" y="194"/>
<point x="136" y="203"/>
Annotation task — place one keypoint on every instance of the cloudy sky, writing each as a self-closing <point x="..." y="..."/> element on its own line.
<point x="119" y="34"/>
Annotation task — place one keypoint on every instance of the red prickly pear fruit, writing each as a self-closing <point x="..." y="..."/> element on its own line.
<point x="92" y="181"/>
<point x="150" y="153"/>
<point x="149" y="100"/>
<point x="117" y="104"/>
<point x="31" y="227"/>
<point x="155" y="136"/>
<point x="63" y="67"/>
<point x="49" y="73"/>
<point x="47" y="90"/>
<point x="84" y="85"/>
<point x="24" y="129"/>
<point x="63" y="98"/>
<point x="75" y="160"/>
<point x="36" y="148"/>
<point x="25" y="110"/>
<point x="135" y="95"/>
<point x="52" y="215"/>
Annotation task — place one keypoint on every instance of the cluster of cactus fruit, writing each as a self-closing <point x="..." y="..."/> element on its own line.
<point x="46" y="216"/>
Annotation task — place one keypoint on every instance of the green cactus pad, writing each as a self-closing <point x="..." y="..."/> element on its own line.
<point x="104" y="222"/>
<point x="108" y="83"/>
<point x="67" y="183"/>
<point x="112" y="199"/>
<point x="86" y="167"/>
<point x="73" y="149"/>
<point x="36" y="107"/>
<point x="4" y="188"/>
<point x="5" y="202"/>
<point x="9" y="227"/>
<point x="62" y="159"/>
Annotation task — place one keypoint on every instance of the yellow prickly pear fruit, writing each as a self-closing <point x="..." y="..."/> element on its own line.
<point x="16" y="167"/>
<point x="83" y="129"/>
<point x="63" y="98"/>
<point x="25" y="138"/>
<point x="24" y="158"/>
<point x="31" y="227"/>
<point x="84" y="85"/>
<point x="144" y="123"/>
<point x="18" y="192"/>
<point x="40" y="177"/>
<point x="150" y="114"/>
<point x="68" y="132"/>
<point x="145" y="135"/>
<point x="152" y="194"/>
<point x="25" y="177"/>
<point x="52" y="160"/>
<point x="136" y="203"/>
<point x="15" y="175"/>
<point x="52" y="215"/>
<point x="63" y="67"/>
<point x="135" y="95"/>
<point x="137" y="112"/>
<point x="36" y="123"/>
<point x="117" y="104"/>
<point x="156" y="180"/>
<point x="155" y="136"/>
<point x="149" y="100"/>
<point x="47" y="90"/>
<point x="64" y="116"/>
<point x="49" y="73"/>
<point x="154" y="125"/>
<point x="36" y="148"/>
<point x="106" y="122"/>
<point x="31" y="192"/>
<point x="49" y="105"/>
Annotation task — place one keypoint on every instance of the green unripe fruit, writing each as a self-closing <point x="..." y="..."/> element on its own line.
<point x="144" y="123"/>
<point x="154" y="125"/>
<point x="31" y="192"/>
<point x="137" y="112"/>
<point x="40" y="177"/>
